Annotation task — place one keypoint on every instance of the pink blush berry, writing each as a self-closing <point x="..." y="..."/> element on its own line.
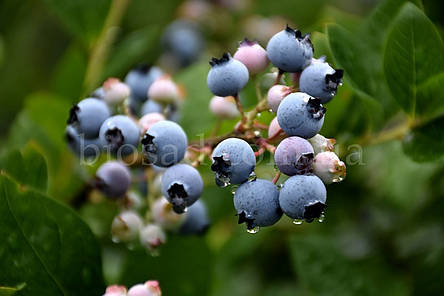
<point x="253" y="56"/>
<point x="149" y="119"/>
<point x="328" y="167"/>
<point x="276" y="94"/>
<point x="224" y="107"/>
<point x="154" y="288"/>
<point x="115" y="91"/>
<point x="164" y="91"/>
<point x="115" y="290"/>
<point x="275" y="131"/>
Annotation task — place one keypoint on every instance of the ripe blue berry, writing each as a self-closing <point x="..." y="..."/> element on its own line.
<point x="151" y="106"/>
<point x="140" y="79"/>
<point x="81" y="146"/>
<point x="182" y="185"/>
<point x="289" y="50"/>
<point x="99" y="93"/>
<point x="196" y="220"/>
<point x="87" y="117"/>
<point x="113" y="179"/>
<point x="257" y="203"/>
<point x="165" y="143"/>
<point x="320" y="80"/>
<point x="227" y="76"/>
<point x="120" y="135"/>
<point x="294" y="156"/>
<point x="301" y="115"/>
<point x="303" y="197"/>
<point x="183" y="40"/>
<point x="233" y="162"/>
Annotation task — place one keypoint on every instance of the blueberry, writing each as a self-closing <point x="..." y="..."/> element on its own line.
<point x="99" y="93"/>
<point x="147" y="120"/>
<point x="289" y="50"/>
<point x="257" y="203"/>
<point x="149" y="288"/>
<point x="321" y="143"/>
<point x="151" y="106"/>
<point x="196" y="220"/>
<point x="252" y="55"/>
<point x="115" y="290"/>
<point x="227" y="76"/>
<point x="140" y="79"/>
<point x="275" y="133"/>
<point x="183" y="40"/>
<point x="163" y="214"/>
<point x="182" y="185"/>
<point x="303" y="197"/>
<point x="329" y="168"/>
<point x="113" y="179"/>
<point x="165" y="143"/>
<point x="233" y="162"/>
<point x="120" y="135"/>
<point x="301" y="115"/>
<point x="126" y="226"/>
<point x="152" y="237"/>
<point x="320" y="80"/>
<point x="82" y="147"/>
<point x="294" y="156"/>
<point x="164" y="91"/>
<point x="87" y="117"/>
<point x="115" y="91"/>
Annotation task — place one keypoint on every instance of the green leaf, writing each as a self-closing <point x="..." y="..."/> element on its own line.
<point x="323" y="269"/>
<point x="46" y="245"/>
<point x="83" y="18"/>
<point x="414" y="61"/>
<point x="9" y="291"/>
<point x="29" y="169"/>
<point x="426" y="143"/>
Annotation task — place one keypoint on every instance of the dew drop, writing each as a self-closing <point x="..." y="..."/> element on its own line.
<point x="252" y="177"/>
<point x="115" y="239"/>
<point x="298" y="221"/>
<point x="257" y="133"/>
<point x="321" y="218"/>
<point x="259" y="115"/>
<point x="253" y="230"/>
<point x="337" y="179"/>
<point x="270" y="110"/>
<point x="185" y="210"/>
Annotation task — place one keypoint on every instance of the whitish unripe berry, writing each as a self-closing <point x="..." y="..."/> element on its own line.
<point x="252" y="55"/>
<point x="115" y="91"/>
<point x="115" y="290"/>
<point x="224" y="107"/>
<point x="149" y="119"/>
<point x="152" y="236"/>
<point x="276" y="94"/>
<point x="164" y="91"/>
<point x="321" y="143"/>
<point x="164" y="216"/>
<point x="126" y="226"/>
<point x="149" y="288"/>
<point x="329" y="168"/>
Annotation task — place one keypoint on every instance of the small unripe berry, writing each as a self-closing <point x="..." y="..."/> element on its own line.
<point x="224" y="107"/>
<point x="149" y="119"/>
<point x="115" y="290"/>
<point x="252" y="55"/>
<point x="152" y="236"/>
<point x="329" y="168"/>
<point x="164" y="215"/>
<point x="275" y="131"/>
<point x="269" y="79"/>
<point x="164" y="91"/>
<point x="322" y="144"/>
<point x="149" y="288"/>
<point x="126" y="226"/>
<point x="115" y="91"/>
<point x="276" y="94"/>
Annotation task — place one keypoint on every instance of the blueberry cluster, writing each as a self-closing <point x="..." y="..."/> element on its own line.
<point x="305" y="156"/>
<point x="130" y="128"/>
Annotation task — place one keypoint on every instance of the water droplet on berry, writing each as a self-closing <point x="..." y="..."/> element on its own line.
<point x="253" y="230"/>
<point x="185" y="210"/>
<point x="257" y="133"/>
<point x="259" y="115"/>
<point x="252" y="177"/>
<point x="298" y="221"/>
<point x="115" y="239"/>
<point x="321" y="218"/>
<point x="270" y="110"/>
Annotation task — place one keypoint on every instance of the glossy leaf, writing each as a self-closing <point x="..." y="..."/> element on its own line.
<point x="46" y="245"/>
<point x="414" y="61"/>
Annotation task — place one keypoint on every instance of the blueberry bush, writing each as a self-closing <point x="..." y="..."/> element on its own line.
<point x="136" y="136"/>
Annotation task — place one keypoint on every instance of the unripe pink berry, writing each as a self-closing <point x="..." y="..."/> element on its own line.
<point x="164" y="91"/>
<point x="115" y="290"/>
<point x="321" y="143"/>
<point x="253" y="56"/>
<point x="149" y="288"/>
<point x="224" y="107"/>
<point x="164" y="216"/>
<point x="115" y="91"/>
<point x="126" y="226"/>
<point x="149" y="119"/>
<point x="152" y="236"/>
<point x="328" y="167"/>
<point x="275" y="131"/>
<point x="276" y="94"/>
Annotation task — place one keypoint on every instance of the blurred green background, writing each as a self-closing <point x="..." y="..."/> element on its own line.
<point x="383" y="233"/>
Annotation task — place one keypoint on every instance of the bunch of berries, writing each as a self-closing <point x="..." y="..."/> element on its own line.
<point x="301" y="152"/>
<point x="121" y="119"/>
